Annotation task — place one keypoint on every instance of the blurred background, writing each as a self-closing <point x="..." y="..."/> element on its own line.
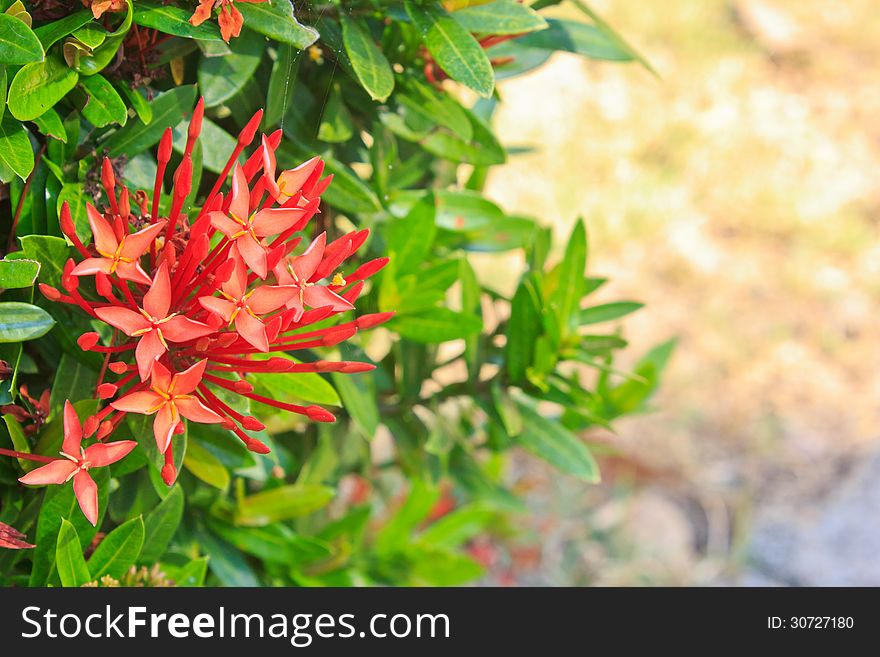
<point x="736" y="196"/>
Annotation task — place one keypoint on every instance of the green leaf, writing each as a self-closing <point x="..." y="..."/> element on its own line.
<point x="578" y="38"/>
<point x="500" y="17"/>
<point x="409" y="240"/>
<point x="69" y="559"/>
<point x="193" y="573"/>
<point x="454" y="49"/>
<point x="523" y="329"/>
<point x="118" y="550"/>
<point x="547" y="439"/>
<point x="483" y="148"/>
<point x="457" y="527"/>
<point x="206" y="466"/>
<point x="336" y="123"/>
<point x="276" y="20"/>
<point x="369" y="64"/>
<point x="58" y="29"/>
<point x="220" y="78"/>
<point x="358" y="392"/>
<point x="104" y="105"/>
<point x="23" y="321"/>
<point x="4" y="84"/>
<point x="50" y="124"/>
<point x="395" y="535"/>
<point x="51" y="252"/>
<point x="607" y="312"/>
<point x="138" y="103"/>
<point x="631" y="395"/>
<point x="160" y="525"/>
<point x="168" y="108"/>
<point x="38" y="86"/>
<point x="306" y="386"/>
<point x="19" y="440"/>
<point x="18" y="273"/>
<point x="282" y="503"/>
<point x="18" y="43"/>
<point x="482" y="225"/>
<point x="565" y="298"/>
<point x="170" y="19"/>
<point x="613" y="34"/>
<point x="421" y="100"/>
<point x="436" y="325"/>
<point x="273" y="543"/>
<point x="16" y="153"/>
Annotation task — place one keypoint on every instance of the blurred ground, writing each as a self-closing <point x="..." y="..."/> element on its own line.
<point x="738" y="198"/>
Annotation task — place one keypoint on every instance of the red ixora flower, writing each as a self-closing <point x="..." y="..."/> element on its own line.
<point x="76" y="463"/>
<point x="195" y="302"/>
<point x="229" y="18"/>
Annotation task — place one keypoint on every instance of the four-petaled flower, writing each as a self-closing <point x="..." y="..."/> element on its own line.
<point x="152" y="323"/>
<point x="246" y="230"/>
<point x="169" y="397"/>
<point x="244" y="308"/>
<point x="230" y="19"/>
<point x="298" y="271"/>
<point x="120" y="254"/>
<point x="77" y="462"/>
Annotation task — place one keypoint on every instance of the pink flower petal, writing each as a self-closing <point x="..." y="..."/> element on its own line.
<point x="224" y="224"/>
<point x="187" y="381"/>
<point x="105" y="238"/>
<point x="137" y="244"/>
<point x="157" y="300"/>
<point x="306" y="264"/>
<point x="73" y="432"/>
<point x="131" y="271"/>
<point x="86" y="491"/>
<point x="272" y="221"/>
<point x="143" y="402"/>
<point x="267" y="298"/>
<point x="318" y="296"/>
<point x="101" y="454"/>
<point x="127" y="321"/>
<point x="163" y="427"/>
<point x="253" y="253"/>
<point x="149" y="348"/>
<point x="183" y="329"/>
<point x="55" y="472"/>
<point x="193" y="409"/>
<point x="239" y="207"/>
<point x="252" y="330"/>
<point x="91" y="266"/>
<point x="220" y="307"/>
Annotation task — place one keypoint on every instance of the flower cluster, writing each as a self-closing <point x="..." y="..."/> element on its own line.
<point x="194" y="307"/>
<point x="228" y="17"/>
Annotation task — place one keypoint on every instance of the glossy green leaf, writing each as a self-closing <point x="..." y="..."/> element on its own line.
<point x="576" y="37"/>
<point x="51" y="252"/>
<point x="50" y="124"/>
<point x="18" y="43"/>
<point x="118" y="550"/>
<point x="60" y="28"/>
<point x="23" y="321"/>
<point x="193" y="573"/>
<point x="206" y="466"/>
<point x="69" y="558"/>
<point x="547" y="439"/>
<point x="104" y="105"/>
<point x="565" y="298"/>
<point x="358" y="393"/>
<point x="454" y="49"/>
<point x="336" y="123"/>
<point x="410" y="238"/>
<point x="500" y="17"/>
<point x="160" y="525"/>
<point x="523" y="329"/>
<point x="138" y="103"/>
<point x="170" y="19"/>
<point x="220" y="78"/>
<point x="38" y="86"/>
<point x="436" y="325"/>
<point x="18" y="273"/>
<point x="168" y="108"/>
<point x="369" y="64"/>
<point x="282" y="503"/>
<point x="607" y="312"/>
<point x="276" y="20"/>
<point x="16" y="153"/>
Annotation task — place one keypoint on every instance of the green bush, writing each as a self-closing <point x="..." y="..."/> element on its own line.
<point x="99" y="103"/>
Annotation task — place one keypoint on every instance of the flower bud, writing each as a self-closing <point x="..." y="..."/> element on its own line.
<point x="87" y="340"/>
<point x="169" y="474"/>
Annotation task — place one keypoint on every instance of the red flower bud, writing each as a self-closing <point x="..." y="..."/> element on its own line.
<point x="257" y="446"/>
<point x="246" y="136"/>
<point x="87" y="340"/>
<point x="252" y="424"/>
<point x="118" y="367"/>
<point x="369" y="321"/>
<point x="164" y="154"/>
<point x="50" y="292"/>
<point x="106" y="390"/>
<point x="319" y="414"/>
<point x="169" y="474"/>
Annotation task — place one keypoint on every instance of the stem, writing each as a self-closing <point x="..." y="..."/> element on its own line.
<point x="28" y="457"/>
<point x="24" y="192"/>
